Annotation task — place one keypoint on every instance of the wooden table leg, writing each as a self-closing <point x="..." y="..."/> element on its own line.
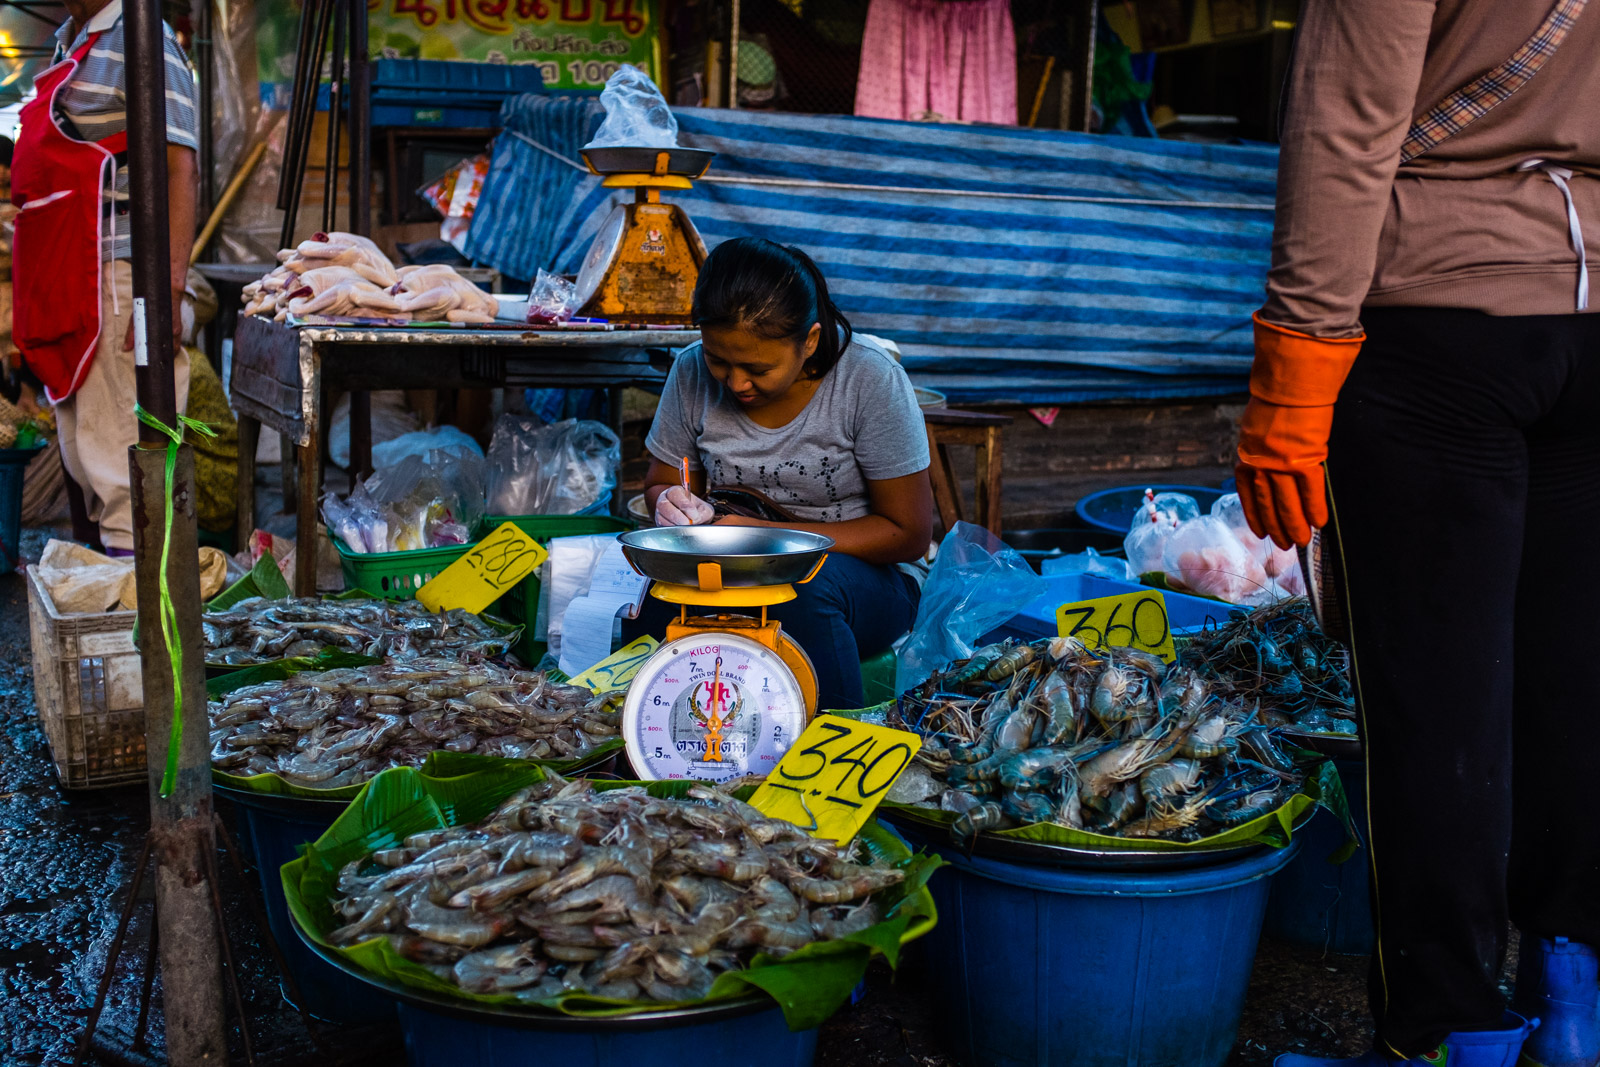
<point x="245" y="488"/>
<point x="988" y="472"/>
<point x="305" y="532"/>
<point x="286" y="472"/>
<point x="360" y="435"/>
<point x="946" y="497"/>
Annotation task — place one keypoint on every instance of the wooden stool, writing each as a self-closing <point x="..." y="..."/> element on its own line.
<point x="982" y="432"/>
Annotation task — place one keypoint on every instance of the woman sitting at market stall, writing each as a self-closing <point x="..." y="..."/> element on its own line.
<point x="779" y="399"/>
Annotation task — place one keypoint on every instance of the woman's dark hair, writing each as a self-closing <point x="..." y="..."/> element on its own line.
<point x="773" y="291"/>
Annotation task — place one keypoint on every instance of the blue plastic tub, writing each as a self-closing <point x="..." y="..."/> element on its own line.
<point x="437" y="1037"/>
<point x="1112" y="509"/>
<point x="1185" y="614"/>
<point x="1320" y="904"/>
<point x="273" y="829"/>
<point x="1035" y="966"/>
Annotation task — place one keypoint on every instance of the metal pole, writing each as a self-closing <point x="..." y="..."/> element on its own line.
<point x="358" y="87"/>
<point x="180" y="824"/>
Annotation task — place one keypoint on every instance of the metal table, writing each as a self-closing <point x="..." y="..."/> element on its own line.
<point x="282" y="375"/>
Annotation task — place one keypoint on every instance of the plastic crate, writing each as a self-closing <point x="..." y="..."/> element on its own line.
<point x="89" y="689"/>
<point x="411" y="79"/>
<point x="521" y="604"/>
<point x="395" y="575"/>
<point x="1186" y="614"/>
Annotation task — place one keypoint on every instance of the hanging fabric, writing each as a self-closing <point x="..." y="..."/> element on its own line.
<point x="939" y="61"/>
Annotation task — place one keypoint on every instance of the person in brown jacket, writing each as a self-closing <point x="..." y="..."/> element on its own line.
<point x="1425" y="333"/>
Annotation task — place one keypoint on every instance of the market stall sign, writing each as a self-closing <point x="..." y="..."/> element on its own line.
<point x="479" y="578"/>
<point x="1130" y="620"/>
<point x="576" y="44"/>
<point x="832" y="778"/>
<point x="618" y="669"/>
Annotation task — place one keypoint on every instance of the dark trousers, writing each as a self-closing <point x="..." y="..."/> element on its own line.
<point x="1465" y="470"/>
<point x="849" y="612"/>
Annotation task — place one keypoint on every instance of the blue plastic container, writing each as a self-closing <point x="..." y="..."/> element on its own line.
<point x="1185" y="614"/>
<point x="1044" y="967"/>
<point x="274" y="828"/>
<point x="1324" y="905"/>
<point x="753" y="1038"/>
<point x="1112" y="509"/>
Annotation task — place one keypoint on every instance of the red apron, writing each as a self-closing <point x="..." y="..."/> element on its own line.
<point x="57" y="181"/>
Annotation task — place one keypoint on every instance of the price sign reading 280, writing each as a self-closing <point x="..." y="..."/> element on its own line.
<point x="1131" y="620"/>
<point x="477" y="579"/>
<point x="833" y="777"/>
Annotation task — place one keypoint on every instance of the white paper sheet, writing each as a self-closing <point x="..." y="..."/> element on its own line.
<point x="590" y="622"/>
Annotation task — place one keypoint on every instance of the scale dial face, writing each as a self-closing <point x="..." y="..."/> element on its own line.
<point x="711" y="706"/>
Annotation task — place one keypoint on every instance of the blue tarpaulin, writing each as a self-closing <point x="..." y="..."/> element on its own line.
<point x="1033" y="266"/>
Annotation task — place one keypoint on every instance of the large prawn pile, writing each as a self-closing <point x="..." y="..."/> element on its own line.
<point x="325" y="729"/>
<point x="1278" y="659"/>
<point x="614" y="894"/>
<point x="1112" y="742"/>
<point x="259" y="630"/>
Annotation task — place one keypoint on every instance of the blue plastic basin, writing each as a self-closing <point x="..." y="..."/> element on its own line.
<point x="758" y="1038"/>
<point x="1112" y="509"/>
<point x="1036" y="966"/>
<point x="1320" y="904"/>
<point x="273" y="829"/>
<point x="1185" y="614"/>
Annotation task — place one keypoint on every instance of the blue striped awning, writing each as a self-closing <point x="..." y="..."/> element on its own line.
<point x="1033" y="266"/>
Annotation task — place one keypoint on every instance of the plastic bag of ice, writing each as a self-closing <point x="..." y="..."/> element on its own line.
<point x="637" y="116"/>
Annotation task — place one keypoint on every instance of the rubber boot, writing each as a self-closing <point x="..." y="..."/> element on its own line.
<point x="1559" y="981"/>
<point x="1469" y="1048"/>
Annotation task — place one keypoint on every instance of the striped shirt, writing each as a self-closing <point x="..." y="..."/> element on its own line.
<point x="93" y="105"/>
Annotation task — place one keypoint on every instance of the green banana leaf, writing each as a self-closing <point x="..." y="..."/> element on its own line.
<point x="1322" y="786"/>
<point x="809" y="985"/>
<point x="264" y="580"/>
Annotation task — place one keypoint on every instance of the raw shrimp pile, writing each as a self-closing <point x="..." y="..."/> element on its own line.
<point x="260" y="630"/>
<point x="613" y="894"/>
<point x="334" y="728"/>
<point x="1278" y="658"/>
<point x="1111" y="742"/>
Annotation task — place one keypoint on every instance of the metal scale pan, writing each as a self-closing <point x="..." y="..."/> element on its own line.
<point x="748" y="555"/>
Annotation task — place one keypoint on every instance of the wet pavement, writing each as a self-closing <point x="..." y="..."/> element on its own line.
<point x="66" y="860"/>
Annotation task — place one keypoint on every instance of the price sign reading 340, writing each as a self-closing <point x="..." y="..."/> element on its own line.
<point x="834" y="775"/>
<point x="478" y="578"/>
<point x="1131" y="620"/>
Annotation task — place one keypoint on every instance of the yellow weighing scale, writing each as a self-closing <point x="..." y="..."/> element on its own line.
<point x="727" y="693"/>
<point x="644" y="262"/>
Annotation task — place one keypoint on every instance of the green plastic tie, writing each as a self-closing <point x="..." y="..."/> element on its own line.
<point x="169" y="614"/>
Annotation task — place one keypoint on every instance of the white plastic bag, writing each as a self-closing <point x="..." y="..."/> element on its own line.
<point x="559" y="469"/>
<point x="420" y="443"/>
<point x="1204" y="556"/>
<point x="1282" y="565"/>
<point x="1146" y="544"/>
<point x="1089" y="562"/>
<point x="637" y="115"/>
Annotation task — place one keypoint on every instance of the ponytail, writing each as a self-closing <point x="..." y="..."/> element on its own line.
<point x="774" y="291"/>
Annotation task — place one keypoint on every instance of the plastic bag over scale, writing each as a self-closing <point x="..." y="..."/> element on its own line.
<point x="637" y="116"/>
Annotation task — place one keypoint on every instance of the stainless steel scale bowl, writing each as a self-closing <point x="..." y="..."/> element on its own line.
<point x="748" y="555"/>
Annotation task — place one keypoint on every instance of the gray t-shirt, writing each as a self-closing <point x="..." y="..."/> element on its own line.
<point x="862" y="424"/>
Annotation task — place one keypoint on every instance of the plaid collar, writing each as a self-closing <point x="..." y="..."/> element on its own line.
<point x="1473" y="100"/>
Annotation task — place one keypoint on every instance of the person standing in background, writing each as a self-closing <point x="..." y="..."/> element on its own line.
<point x="74" y="298"/>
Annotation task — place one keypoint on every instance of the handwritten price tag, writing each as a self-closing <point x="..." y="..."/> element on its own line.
<point x="618" y="669"/>
<point x="1131" y="620"/>
<point x="834" y="775"/>
<point x="477" y="579"/>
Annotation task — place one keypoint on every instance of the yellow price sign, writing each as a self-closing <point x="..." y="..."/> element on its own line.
<point x="1130" y="620"/>
<point x="618" y="669"/>
<point x="477" y="579"/>
<point x="834" y="775"/>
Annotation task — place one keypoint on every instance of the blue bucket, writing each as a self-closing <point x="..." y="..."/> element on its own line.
<point x="1037" y="966"/>
<point x="754" y="1035"/>
<point x="273" y="829"/>
<point x="1112" y="509"/>
<point x="1323" y="905"/>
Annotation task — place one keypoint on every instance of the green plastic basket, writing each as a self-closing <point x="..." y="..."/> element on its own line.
<point x="521" y="603"/>
<point x="395" y="575"/>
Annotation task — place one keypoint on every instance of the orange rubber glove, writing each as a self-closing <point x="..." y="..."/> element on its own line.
<point x="1283" y="436"/>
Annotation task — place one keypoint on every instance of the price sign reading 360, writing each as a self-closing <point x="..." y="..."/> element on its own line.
<point x="1131" y="620"/>
<point x="834" y="775"/>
